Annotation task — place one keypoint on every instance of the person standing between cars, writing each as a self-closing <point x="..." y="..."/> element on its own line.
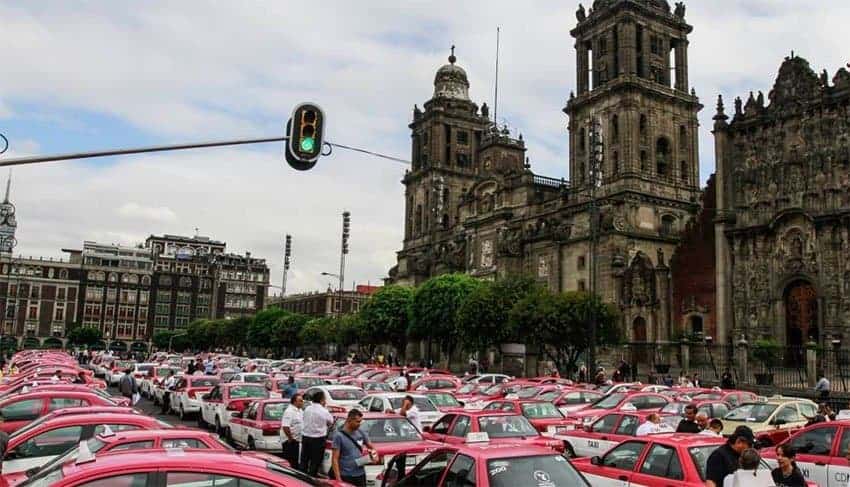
<point x="653" y="425"/>
<point x="715" y="428"/>
<point x="726" y="381"/>
<point x="749" y="474"/>
<point x="127" y="384"/>
<point x="725" y="460"/>
<point x="290" y="390"/>
<point x="689" y="424"/>
<point x="317" y="419"/>
<point x="787" y="474"/>
<point x="169" y="384"/>
<point x="80" y="378"/>
<point x="702" y="421"/>
<point x="400" y="383"/>
<point x="190" y="369"/>
<point x="822" y="389"/>
<point x="351" y="450"/>
<point x="291" y="428"/>
<point x="409" y="410"/>
<point x="56" y="378"/>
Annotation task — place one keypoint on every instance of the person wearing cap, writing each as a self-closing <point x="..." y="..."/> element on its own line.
<point x="725" y="460"/>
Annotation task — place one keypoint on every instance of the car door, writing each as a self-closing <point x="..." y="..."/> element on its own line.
<point x="600" y="440"/>
<point x="41" y="448"/>
<point x="461" y="427"/>
<point x="208" y="407"/>
<point x="838" y="470"/>
<point x="429" y="472"/>
<point x="461" y="472"/>
<point x="441" y="428"/>
<point x="660" y="466"/>
<point x="238" y="426"/>
<point x="814" y="447"/>
<point x="19" y="413"/>
<point x="616" y="467"/>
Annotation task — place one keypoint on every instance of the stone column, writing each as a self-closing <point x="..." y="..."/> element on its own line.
<point x="723" y="271"/>
<point x="582" y="66"/>
<point x="742" y="354"/>
<point x="682" y="65"/>
<point x="812" y="363"/>
<point x="628" y="48"/>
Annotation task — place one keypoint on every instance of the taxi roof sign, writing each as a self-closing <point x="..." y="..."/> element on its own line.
<point x="84" y="455"/>
<point x="480" y="437"/>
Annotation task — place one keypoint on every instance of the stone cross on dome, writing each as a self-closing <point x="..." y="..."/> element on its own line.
<point x="452" y="58"/>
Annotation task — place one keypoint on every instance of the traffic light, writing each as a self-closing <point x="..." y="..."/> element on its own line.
<point x="305" y="130"/>
<point x="346" y="230"/>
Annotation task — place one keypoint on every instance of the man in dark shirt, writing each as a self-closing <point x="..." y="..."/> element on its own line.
<point x="725" y="460"/>
<point x="689" y="424"/>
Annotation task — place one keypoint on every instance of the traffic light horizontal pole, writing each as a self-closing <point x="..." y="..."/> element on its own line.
<point x="20" y="161"/>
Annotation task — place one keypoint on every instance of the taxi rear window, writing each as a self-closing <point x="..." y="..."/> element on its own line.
<point x="347" y="394"/>
<point x="274" y="412"/>
<point x="542" y="471"/>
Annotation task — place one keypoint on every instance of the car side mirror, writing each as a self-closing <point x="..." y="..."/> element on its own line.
<point x="596" y="461"/>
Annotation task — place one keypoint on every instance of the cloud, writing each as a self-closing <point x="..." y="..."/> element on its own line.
<point x="203" y="70"/>
<point x="160" y="214"/>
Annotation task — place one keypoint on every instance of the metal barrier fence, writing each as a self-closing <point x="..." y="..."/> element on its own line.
<point x="710" y="361"/>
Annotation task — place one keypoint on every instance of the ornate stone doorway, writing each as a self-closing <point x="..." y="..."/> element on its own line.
<point x="801" y="314"/>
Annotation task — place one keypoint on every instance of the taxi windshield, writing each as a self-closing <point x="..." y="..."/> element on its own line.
<point x="203" y="382"/>
<point x="51" y="471"/>
<point x="528" y="392"/>
<point x="494" y="389"/>
<point x="145" y="367"/>
<point x="609" y="402"/>
<point x="422" y="403"/>
<point x="445" y="400"/>
<point x="548" y="470"/>
<point x="274" y="411"/>
<point x="549" y="396"/>
<point x="378" y="386"/>
<point x="469" y="388"/>
<point x="305" y="382"/>
<point x="254" y="378"/>
<point x="756" y="413"/>
<point x="238" y="392"/>
<point x="347" y="394"/>
<point x="506" y="426"/>
<point x="389" y="430"/>
<point x="541" y="410"/>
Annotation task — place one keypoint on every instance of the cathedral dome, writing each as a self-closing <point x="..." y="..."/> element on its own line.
<point x="451" y="81"/>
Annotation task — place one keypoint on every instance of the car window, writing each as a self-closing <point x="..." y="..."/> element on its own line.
<point x="605" y="424"/>
<point x="430" y="471"/>
<point x="461" y="473"/>
<point x="65" y="402"/>
<point x="53" y="442"/>
<point x="114" y="427"/>
<point x="817" y="441"/>
<point x="197" y="479"/>
<point x="274" y="411"/>
<point x="662" y="461"/>
<point x="442" y="426"/>
<point x="387" y="430"/>
<point x="808" y="410"/>
<point x="461" y="427"/>
<point x="652" y="402"/>
<point x="130" y="480"/>
<point x="699" y="456"/>
<point x="628" y="426"/>
<point x="493" y="406"/>
<point x="788" y="414"/>
<point x="183" y="443"/>
<point x="21" y="410"/>
<point x="133" y="445"/>
<point x="506" y="426"/>
<point x="844" y="446"/>
<point x="625" y="456"/>
<point x="541" y="410"/>
<point x="365" y="403"/>
<point x="720" y="410"/>
<point x="252" y="411"/>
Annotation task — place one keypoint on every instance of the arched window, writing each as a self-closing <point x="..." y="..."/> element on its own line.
<point x="662" y="156"/>
<point x="615" y="163"/>
<point x="146" y="280"/>
<point x="683" y="171"/>
<point x="615" y="129"/>
<point x="643" y="159"/>
<point x="668" y="224"/>
<point x="696" y="324"/>
<point x="582" y="143"/>
<point x="683" y="137"/>
<point x="642" y="125"/>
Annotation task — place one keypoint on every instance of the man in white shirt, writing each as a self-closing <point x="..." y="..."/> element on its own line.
<point x="317" y="419"/>
<point x="291" y="429"/>
<point x="169" y="384"/>
<point x="409" y="410"/>
<point x="400" y="383"/>
<point x="653" y="425"/>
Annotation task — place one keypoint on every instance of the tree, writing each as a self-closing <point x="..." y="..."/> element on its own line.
<point x="85" y="335"/>
<point x="286" y="333"/>
<point x="161" y="339"/>
<point x="561" y="323"/>
<point x="484" y="316"/>
<point x="385" y="318"/>
<point x="261" y="328"/>
<point x="316" y="331"/>
<point x="434" y="309"/>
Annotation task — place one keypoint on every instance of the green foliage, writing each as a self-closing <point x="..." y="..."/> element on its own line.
<point x="768" y="352"/>
<point x="286" y="331"/>
<point x="560" y="323"/>
<point x="385" y="317"/>
<point x="84" y="335"/>
<point x="435" y="305"/>
<point x="484" y="316"/>
<point x="261" y="329"/>
<point x="161" y="338"/>
<point x="316" y="331"/>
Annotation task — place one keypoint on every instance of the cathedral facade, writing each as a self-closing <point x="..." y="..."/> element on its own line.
<point x="472" y="203"/>
<point x="783" y="190"/>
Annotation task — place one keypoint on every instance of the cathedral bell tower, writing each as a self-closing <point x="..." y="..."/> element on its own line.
<point x="632" y="77"/>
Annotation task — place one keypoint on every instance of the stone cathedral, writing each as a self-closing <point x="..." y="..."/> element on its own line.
<point x="664" y="257"/>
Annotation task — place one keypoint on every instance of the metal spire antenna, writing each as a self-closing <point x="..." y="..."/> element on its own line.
<point x="496" y="95"/>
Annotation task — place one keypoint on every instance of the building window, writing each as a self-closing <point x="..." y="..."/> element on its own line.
<point x="128" y="296"/>
<point x="667" y="225"/>
<point x="203" y="299"/>
<point x="146" y="280"/>
<point x="683" y="137"/>
<point x="581" y="262"/>
<point x="10" y="309"/>
<point x="662" y="156"/>
<point x="163" y="296"/>
<point x="92" y="310"/>
<point x="13" y="290"/>
<point x="110" y="311"/>
<point x="113" y="277"/>
<point x="582" y="143"/>
<point x="642" y="125"/>
<point x="615" y="163"/>
<point x="184" y="298"/>
<point x="57" y="329"/>
<point x="696" y="324"/>
<point x="50" y="273"/>
<point x="61" y="293"/>
<point x="202" y="311"/>
<point x="615" y="129"/>
<point x="181" y="322"/>
<point x="643" y="158"/>
<point x="142" y="330"/>
<point x="35" y="292"/>
<point x="683" y="171"/>
<point x="111" y="295"/>
<point x="206" y="284"/>
<point x="163" y="308"/>
<point x="183" y="310"/>
<point x="143" y="315"/>
<point x="164" y="280"/>
<point x="32" y="312"/>
<point x="63" y="274"/>
<point x="462" y="137"/>
<point x="143" y="297"/>
<point x="59" y="312"/>
<point x="94" y="293"/>
<point x="185" y="282"/>
<point x="126" y="313"/>
<point x="161" y="320"/>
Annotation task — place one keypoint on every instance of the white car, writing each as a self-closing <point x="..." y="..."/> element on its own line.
<point x="186" y="396"/>
<point x="249" y="377"/>
<point x="159" y="390"/>
<point x="258" y="427"/>
<point x="114" y="374"/>
<point x="383" y="402"/>
<point x="225" y="401"/>
<point x="339" y="398"/>
<point x="148" y="383"/>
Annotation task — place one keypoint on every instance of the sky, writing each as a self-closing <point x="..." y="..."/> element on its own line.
<point x="101" y="74"/>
